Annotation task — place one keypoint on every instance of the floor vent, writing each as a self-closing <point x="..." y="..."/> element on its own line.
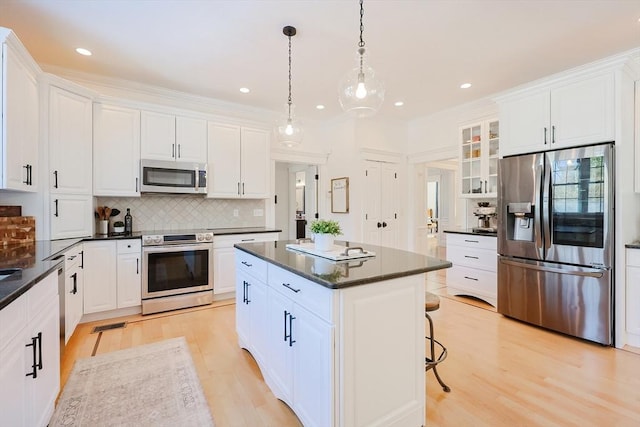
<point x="109" y="327"/>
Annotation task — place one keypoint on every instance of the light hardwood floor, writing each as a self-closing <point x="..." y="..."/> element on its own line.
<point x="501" y="372"/>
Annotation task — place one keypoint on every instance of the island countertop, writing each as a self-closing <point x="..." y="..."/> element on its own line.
<point x="388" y="263"/>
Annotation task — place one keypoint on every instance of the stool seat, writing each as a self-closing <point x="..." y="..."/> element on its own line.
<point x="431" y="301"/>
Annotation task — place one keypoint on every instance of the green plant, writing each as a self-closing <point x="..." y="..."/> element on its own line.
<point x="118" y="224"/>
<point x="325" y="226"/>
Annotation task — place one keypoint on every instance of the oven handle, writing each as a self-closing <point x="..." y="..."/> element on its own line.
<point x="182" y="247"/>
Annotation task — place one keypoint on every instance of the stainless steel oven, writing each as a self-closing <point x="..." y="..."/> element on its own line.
<point x="177" y="270"/>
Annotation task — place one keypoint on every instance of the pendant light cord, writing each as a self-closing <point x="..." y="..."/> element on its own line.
<point x="361" y="43"/>
<point x="289" y="100"/>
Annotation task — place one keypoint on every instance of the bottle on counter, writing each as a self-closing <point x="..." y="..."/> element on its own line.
<point x="128" y="222"/>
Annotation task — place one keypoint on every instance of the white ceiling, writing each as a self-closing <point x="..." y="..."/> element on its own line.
<point x="424" y="49"/>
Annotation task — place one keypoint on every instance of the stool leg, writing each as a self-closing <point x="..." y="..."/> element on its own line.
<point x="445" y="387"/>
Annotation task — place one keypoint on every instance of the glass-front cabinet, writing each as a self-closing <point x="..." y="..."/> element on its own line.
<point x="479" y="159"/>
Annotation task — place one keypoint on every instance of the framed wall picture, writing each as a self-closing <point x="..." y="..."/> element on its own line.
<point x="340" y="195"/>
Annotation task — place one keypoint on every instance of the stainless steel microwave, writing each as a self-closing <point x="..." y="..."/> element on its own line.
<point x="160" y="176"/>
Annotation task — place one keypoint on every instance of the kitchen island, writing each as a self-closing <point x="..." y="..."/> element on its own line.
<point x="342" y="343"/>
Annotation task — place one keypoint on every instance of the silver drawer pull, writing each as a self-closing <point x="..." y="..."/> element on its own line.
<point x="288" y="286"/>
<point x="472" y="257"/>
<point x="246" y="263"/>
<point x="248" y="240"/>
<point x="471" y="278"/>
<point x="471" y="241"/>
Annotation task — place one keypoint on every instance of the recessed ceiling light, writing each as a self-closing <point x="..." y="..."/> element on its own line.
<point x="83" y="51"/>
<point x="399" y="104"/>
<point x="319" y="107"/>
<point x="245" y="90"/>
<point x="465" y="85"/>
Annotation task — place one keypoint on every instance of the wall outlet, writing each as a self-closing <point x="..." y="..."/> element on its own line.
<point x="235" y="213"/>
<point x="258" y="212"/>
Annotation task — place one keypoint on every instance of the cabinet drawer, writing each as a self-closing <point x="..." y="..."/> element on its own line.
<point x="472" y="241"/>
<point x="312" y="296"/>
<point x="477" y="281"/>
<point x="484" y="259"/>
<point x="633" y="257"/>
<point x="13" y="319"/>
<point x="251" y="265"/>
<point x="131" y="246"/>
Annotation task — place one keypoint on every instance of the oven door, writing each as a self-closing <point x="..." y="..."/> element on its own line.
<point x="176" y="269"/>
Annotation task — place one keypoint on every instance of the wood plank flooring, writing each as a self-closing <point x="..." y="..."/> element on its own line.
<point x="501" y="372"/>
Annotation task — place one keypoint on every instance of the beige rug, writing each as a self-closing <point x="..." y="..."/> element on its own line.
<point x="150" y="385"/>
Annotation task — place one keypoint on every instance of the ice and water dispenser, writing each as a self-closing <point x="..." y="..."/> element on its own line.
<point x="520" y="223"/>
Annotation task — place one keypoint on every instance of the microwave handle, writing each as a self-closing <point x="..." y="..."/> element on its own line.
<point x="197" y="179"/>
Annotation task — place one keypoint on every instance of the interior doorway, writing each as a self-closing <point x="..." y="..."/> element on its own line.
<point x="296" y="190"/>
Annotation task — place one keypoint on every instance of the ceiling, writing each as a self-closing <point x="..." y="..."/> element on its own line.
<point x="423" y="49"/>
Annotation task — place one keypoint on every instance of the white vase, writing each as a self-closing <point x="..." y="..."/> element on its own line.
<point x="103" y="226"/>
<point x="323" y="242"/>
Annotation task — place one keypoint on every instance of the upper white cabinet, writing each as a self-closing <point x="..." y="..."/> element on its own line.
<point x="167" y="137"/>
<point x="565" y="114"/>
<point x="71" y="215"/>
<point x="238" y="162"/>
<point x="116" y="151"/>
<point x="70" y="135"/>
<point x="19" y="115"/>
<point x="479" y="159"/>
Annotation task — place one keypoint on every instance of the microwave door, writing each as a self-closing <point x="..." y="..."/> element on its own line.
<point x="578" y="205"/>
<point x="519" y="200"/>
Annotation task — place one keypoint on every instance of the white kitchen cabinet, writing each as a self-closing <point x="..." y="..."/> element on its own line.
<point x="71" y="216"/>
<point x="238" y="162"/>
<point x="167" y="137"/>
<point x="479" y="147"/>
<point x="30" y="355"/>
<point x="74" y="286"/>
<point x="224" y="273"/>
<point x="633" y="297"/>
<point x="129" y="284"/>
<point x="19" y="115"/>
<point x="70" y="130"/>
<point x="100" y="280"/>
<point x="116" y="151"/>
<point x="474" y="272"/>
<point x="564" y="114"/>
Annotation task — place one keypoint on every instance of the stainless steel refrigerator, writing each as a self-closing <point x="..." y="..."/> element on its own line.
<point x="555" y="240"/>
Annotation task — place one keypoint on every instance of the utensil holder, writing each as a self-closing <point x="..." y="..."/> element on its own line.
<point x="103" y="226"/>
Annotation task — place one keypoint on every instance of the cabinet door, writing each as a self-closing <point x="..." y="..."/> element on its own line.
<point x="191" y="140"/>
<point x="582" y="112"/>
<point x="20" y="124"/>
<point x="100" y="292"/>
<point x="224" y="161"/>
<point x="254" y="163"/>
<point x="129" y="282"/>
<point x="70" y="142"/>
<point x="13" y="393"/>
<point x="71" y="216"/>
<point x="44" y="389"/>
<point x="243" y="310"/>
<point x="116" y="151"/>
<point x="259" y="329"/>
<point x="280" y="351"/>
<point x="73" y="300"/>
<point x="157" y="136"/>
<point x="312" y="368"/>
<point x="224" y="279"/>
<point x="632" y="298"/>
<point x="524" y="124"/>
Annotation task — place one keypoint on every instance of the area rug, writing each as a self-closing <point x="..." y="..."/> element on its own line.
<point x="149" y="385"/>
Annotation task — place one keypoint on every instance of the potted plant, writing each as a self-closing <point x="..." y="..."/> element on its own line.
<point x="118" y="227"/>
<point x="324" y="233"/>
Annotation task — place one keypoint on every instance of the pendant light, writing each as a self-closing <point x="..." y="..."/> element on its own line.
<point x="360" y="92"/>
<point x="288" y="130"/>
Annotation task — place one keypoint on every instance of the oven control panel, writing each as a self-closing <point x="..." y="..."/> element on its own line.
<point x="174" y="239"/>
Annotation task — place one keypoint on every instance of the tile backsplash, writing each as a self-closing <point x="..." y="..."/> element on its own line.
<point x="175" y="212"/>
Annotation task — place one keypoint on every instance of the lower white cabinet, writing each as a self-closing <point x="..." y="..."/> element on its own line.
<point x="74" y="289"/>
<point x="30" y="355"/>
<point x="112" y="275"/>
<point x="224" y="273"/>
<point x="251" y="306"/>
<point x="632" y="297"/>
<point x="474" y="270"/>
<point x="71" y="216"/>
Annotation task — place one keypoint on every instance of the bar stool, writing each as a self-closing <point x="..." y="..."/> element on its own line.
<point x="432" y="303"/>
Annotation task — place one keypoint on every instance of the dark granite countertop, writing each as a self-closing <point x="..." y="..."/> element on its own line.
<point x="633" y="245"/>
<point x="387" y="264"/>
<point x="245" y="230"/>
<point x="470" y="231"/>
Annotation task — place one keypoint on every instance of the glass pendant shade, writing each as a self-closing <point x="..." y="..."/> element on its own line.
<point x="288" y="130"/>
<point x="360" y="92"/>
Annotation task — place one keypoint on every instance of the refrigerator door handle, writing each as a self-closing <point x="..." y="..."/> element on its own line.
<point x="573" y="272"/>
<point x="546" y="205"/>
<point x="538" y="212"/>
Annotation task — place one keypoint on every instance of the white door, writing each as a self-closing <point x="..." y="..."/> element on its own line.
<point x="381" y="204"/>
<point x="254" y="161"/>
<point x="524" y="124"/>
<point x="129" y="280"/>
<point x="223" y="173"/>
<point x="191" y="140"/>
<point x="372" y="210"/>
<point x="157" y="136"/>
